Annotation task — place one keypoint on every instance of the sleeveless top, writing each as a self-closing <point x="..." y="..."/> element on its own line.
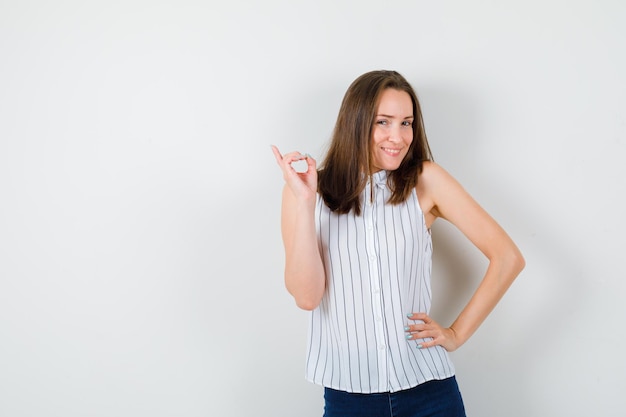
<point x="378" y="269"/>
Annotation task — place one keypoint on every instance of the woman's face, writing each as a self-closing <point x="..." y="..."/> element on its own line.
<point x="392" y="133"/>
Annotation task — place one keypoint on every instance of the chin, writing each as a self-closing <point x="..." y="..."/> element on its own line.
<point x="386" y="168"/>
<point x="390" y="166"/>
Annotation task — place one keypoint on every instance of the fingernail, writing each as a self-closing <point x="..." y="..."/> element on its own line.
<point x="410" y="315"/>
<point x="409" y="336"/>
<point x="407" y="328"/>
<point x="419" y="346"/>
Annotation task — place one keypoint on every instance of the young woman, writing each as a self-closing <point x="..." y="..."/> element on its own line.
<point x="358" y="255"/>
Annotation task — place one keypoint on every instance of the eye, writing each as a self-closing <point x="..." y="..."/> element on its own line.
<point x="381" y="122"/>
<point x="407" y="123"/>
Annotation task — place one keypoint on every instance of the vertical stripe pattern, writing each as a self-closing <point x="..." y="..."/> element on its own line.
<point x="378" y="269"/>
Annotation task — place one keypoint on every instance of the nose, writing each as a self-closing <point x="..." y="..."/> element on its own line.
<point x="395" y="134"/>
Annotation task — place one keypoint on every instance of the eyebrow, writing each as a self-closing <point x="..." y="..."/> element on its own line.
<point x="391" y="117"/>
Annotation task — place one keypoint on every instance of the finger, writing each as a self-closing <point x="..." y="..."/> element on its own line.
<point x="427" y="344"/>
<point x="293" y="163"/>
<point x="423" y="317"/>
<point x="292" y="157"/>
<point x="418" y="327"/>
<point x="277" y="155"/>
<point x="420" y="316"/>
<point x="423" y="334"/>
<point x="311" y="162"/>
<point x="416" y="335"/>
<point x="285" y="161"/>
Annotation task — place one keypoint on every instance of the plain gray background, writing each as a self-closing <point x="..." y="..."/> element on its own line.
<point x="140" y="254"/>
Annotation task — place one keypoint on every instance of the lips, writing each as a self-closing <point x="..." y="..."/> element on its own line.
<point x="391" y="151"/>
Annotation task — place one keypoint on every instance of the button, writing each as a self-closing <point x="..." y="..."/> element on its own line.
<point x="381" y="347"/>
<point x="378" y="319"/>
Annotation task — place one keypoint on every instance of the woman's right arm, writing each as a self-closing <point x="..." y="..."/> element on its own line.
<point x="304" y="270"/>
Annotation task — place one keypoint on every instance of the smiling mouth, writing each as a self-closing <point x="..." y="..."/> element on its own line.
<point x="391" y="151"/>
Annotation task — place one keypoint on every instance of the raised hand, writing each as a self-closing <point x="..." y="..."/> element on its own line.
<point x="302" y="184"/>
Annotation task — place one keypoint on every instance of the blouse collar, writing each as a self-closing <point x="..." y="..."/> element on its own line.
<point x="380" y="178"/>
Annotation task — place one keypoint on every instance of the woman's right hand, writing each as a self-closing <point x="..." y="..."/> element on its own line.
<point x="305" y="277"/>
<point x="302" y="184"/>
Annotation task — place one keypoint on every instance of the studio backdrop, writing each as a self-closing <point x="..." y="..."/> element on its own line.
<point x="141" y="264"/>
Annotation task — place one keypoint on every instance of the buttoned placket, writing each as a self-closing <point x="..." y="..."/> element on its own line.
<point x="379" y="328"/>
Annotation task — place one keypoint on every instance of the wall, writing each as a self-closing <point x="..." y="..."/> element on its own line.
<point x="140" y="255"/>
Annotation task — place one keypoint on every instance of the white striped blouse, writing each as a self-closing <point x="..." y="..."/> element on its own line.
<point x="377" y="270"/>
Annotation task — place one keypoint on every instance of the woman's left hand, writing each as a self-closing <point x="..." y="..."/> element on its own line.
<point x="430" y="329"/>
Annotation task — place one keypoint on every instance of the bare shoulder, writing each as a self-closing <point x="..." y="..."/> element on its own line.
<point x="430" y="181"/>
<point x="440" y="194"/>
<point x="434" y="174"/>
<point x="424" y="194"/>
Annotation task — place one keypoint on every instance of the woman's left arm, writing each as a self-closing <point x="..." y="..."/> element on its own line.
<point x="444" y="197"/>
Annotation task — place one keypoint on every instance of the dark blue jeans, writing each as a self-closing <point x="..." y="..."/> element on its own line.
<point x="432" y="399"/>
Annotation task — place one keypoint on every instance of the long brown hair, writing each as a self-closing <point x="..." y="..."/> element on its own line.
<point x="348" y="165"/>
